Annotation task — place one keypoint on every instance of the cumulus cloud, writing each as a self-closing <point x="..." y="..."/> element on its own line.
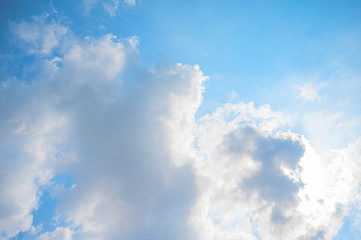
<point x="257" y="180"/>
<point x="135" y="183"/>
<point x="144" y="166"/>
<point x="247" y="175"/>
<point x="130" y="144"/>
<point x="29" y="133"/>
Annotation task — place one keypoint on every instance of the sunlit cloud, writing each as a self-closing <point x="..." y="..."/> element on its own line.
<point x="122" y="150"/>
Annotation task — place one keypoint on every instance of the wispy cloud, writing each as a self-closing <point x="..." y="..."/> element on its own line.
<point x="112" y="7"/>
<point x="37" y="38"/>
<point x="130" y="2"/>
<point x="308" y="92"/>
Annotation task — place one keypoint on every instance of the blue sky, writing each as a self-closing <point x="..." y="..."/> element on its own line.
<point x="180" y="119"/>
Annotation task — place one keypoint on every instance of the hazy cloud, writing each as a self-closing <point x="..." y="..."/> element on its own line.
<point x="37" y="37"/>
<point x="109" y="6"/>
<point x="308" y="92"/>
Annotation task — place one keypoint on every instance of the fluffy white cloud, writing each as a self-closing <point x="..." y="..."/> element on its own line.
<point x="29" y="134"/>
<point x="241" y="174"/>
<point x="130" y="143"/>
<point x="144" y="166"/>
<point x="134" y="147"/>
<point x="254" y="179"/>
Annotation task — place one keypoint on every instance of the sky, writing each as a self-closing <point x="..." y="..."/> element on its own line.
<point x="189" y="120"/>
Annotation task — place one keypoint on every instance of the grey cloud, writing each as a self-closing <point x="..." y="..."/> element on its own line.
<point x="250" y="172"/>
<point x="123" y="145"/>
<point x="319" y="235"/>
<point x="269" y="181"/>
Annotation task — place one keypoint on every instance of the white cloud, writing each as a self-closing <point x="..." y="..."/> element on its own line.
<point x="28" y="138"/>
<point x="133" y="41"/>
<point x="251" y="179"/>
<point x="134" y="148"/>
<point x="59" y="233"/>
<point x="240" y="171"/>
<point x="308" y="92"/>
<point x="33" y="129"/>
<point x="111" y="7"/>
<point x="39" y="38"/>
<point x="107" y="60"/>
<point x="144" y="167"/>
<point x="130" y="2"/>
<point x="132" y="143"/>
<point x="89" y="4"/>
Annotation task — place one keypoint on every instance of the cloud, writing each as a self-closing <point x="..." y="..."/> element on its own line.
<point x="129" y="145"/>
<point x="241" y="174"/>
<point x="259" y="181"/>
<point x="135" y="183"/>
<point x="38" y="38"/>
<point x="59" y="233"/>
<point x="130" y="2"/>
<point x="144" y="166"/>
<point x="30" y="132"/>
<point x="308" y="92"/>
<point x="109" y="6"/>
<point x="89" y="4"/>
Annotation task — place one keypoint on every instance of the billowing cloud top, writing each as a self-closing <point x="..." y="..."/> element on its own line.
<point x="142" y="165"/>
